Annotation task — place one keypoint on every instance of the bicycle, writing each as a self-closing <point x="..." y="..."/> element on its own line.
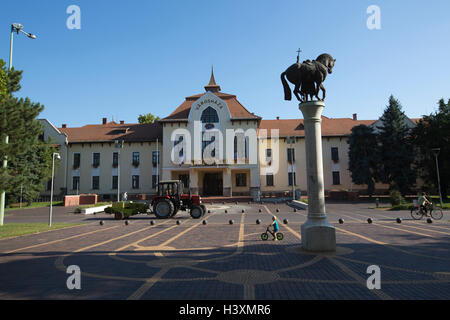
<point x="417" y="212"/>
<point x="265" y="235"/>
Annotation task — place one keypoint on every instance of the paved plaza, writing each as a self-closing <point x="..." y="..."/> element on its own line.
<point x="224" y="261"/>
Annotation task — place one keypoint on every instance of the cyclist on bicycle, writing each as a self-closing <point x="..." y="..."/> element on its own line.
<point x="276" y="228"/>
<point x="424" y="203"/>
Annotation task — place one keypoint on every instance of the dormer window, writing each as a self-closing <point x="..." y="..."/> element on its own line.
<point x="210" y="116"/>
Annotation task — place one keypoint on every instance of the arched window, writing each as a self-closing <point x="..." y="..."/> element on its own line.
<point x="210" y="116"/>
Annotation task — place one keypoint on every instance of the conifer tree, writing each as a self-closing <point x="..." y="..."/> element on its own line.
<point x="363" y="157"/>
<point x="29" y="158"/>
<point x="433" y="131"/>
<point x="395" y="149"/>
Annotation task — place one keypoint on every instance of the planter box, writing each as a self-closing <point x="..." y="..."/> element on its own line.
<point x="353" y="195"/>
<point x="338" y="195"/>
<point x="71" y="201"/>
<point x="88" y="199"/>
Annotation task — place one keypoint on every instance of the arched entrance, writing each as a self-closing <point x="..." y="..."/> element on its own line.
<point x="212" y="184"/>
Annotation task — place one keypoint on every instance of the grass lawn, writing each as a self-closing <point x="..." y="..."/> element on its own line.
<point x="19" y="229"/>
<point x="34" y="205"/>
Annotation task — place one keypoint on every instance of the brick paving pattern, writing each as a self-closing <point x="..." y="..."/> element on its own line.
<point x="223" y="261"/>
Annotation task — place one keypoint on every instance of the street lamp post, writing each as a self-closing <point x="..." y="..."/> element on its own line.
<point x="436" y="152"/>
<point x="57" y="155"/>
<point x="15" y="27"/>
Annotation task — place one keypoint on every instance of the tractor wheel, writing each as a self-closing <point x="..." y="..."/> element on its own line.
<point x="163" y="209"/>
<point x="175" y="211"/>
<point x="196" y="212"/>
<point x="203" y="208"/>
<point x="118" y="216"/>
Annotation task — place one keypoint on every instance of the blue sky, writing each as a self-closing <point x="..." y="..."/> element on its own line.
<point x="140" y="56"/>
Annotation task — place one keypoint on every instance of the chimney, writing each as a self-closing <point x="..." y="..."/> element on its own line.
<point x="122" y="122"/>
<point x="355" y="116"/>
<point x="64" y="126"/>
<point x="105" y="120"/>
<point x="278" y="118"/>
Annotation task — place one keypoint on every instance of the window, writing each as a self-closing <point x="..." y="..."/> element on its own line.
<point x="96" y="159"/>
<point x="209" y="116"/>
<point x="75" y="183"/>
<point x="336" y="178"/>
<point x="135" y="182"/>
<point x="268" y="153"/>
<point x="76" y="160"/>
<point x="185" y="179"/>
<point x="291" y="155"/>
<point x="115" y="160"/>
<point x="269" y="180"/>
<point x="290" y="175"/>
<point x="181" y="151"/>
<point x="155" y="158"/>
<point x="115" y="182"/>
<point x="241" y="179"/>
<point x="246" y="142"/>
<point x="155" y="180"/>
<point x="136" y="159"/>
<point x="335" y="154"/>
<point x="206" y="143"/>
<point x="95" y="182"/>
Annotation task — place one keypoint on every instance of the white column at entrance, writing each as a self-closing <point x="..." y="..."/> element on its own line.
<point x="255" y="184"/>
<point x="193" y="181"/>
<point x="317" y="233"/>
<point x="227" y="183"/>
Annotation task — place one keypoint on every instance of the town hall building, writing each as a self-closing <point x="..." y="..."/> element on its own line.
<point x="211" y="142"/>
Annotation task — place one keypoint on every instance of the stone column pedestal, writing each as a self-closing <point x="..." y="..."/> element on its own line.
<point x="317" y="233"/>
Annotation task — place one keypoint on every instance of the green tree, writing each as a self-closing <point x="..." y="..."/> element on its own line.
<point x="29" y="158"/>
<point x="147" y="118"/>
<point x="363" y="157"/>
<point x="395" y="149"/>
<point x="433" y="131"/>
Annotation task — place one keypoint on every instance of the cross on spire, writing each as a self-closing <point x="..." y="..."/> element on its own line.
<point x="298" y="55"/>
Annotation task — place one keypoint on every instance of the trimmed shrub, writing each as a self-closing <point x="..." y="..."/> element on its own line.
<point x="396" y="198"/>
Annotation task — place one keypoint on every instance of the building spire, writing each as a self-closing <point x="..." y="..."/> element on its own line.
<point x="212" y="86"/>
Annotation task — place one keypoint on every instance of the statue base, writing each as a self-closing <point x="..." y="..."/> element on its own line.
<point x="318" y="235"/>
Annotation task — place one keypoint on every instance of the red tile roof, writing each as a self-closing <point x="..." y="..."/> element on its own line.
<point x="330" y="127"/>
<point x="237" y="110"/>
<point x="114" y="131"/>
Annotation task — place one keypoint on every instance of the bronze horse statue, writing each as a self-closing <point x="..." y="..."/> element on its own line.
<point x="308" y="78"/>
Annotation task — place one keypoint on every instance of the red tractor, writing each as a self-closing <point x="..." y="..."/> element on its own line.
<point x="170" y="199"/>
